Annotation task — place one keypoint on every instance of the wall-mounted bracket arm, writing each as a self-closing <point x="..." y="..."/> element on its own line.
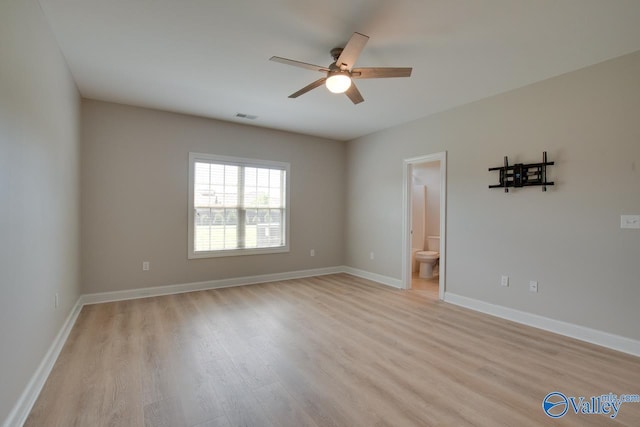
<point x="523" y="175"/>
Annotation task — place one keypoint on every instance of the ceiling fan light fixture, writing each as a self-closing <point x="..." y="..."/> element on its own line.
<point x="337" y="77"/>
<point x="338" y="82"/>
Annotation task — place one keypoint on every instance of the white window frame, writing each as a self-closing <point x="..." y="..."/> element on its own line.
<point x="239" y="161"/>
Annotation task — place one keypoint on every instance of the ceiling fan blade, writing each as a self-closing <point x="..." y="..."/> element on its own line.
<point x="308" y="87"/>
<point x="299" y="64"/>
<point x="351" y="51"/>
<point x="380" y="72"/>
<point x="354" y="94"/>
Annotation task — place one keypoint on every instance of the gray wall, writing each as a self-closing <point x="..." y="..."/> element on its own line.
<point x="134" y="197"/>
<point x="39" y="194"/>
<point x="569" y="239"/>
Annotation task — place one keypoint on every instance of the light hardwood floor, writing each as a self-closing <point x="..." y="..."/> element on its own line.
<point x="427" y="287"/>
<point x="326" y="351"/>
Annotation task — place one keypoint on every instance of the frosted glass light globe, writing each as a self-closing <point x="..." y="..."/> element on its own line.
<point x="338" y="83"/>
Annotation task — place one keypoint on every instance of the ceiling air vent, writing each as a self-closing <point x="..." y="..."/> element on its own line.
<point x="246" y="116"/>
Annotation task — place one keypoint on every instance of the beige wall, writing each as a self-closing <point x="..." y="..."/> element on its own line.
<point x="39" y="194"/>
<point x="418" y="214"/>
<point x="429" y="174"/>
<point x="569" y="239"/>
<point x="134" y="197"/>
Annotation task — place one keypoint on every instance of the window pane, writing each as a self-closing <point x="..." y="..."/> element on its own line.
<point x="224" y="231"/>
<point x="202" y="222"/>
<point x="217" y="174"/>
<point x="262" y="188"/>
<point x="250" y="176"/>
<point x="274" y="178"/>
<point x="262" y="197"/>
<point x="276" y="216"/>
<point x="265" y="190"/>
<point x="274" y="198"/>
<point x="231" y="196"/>
<point x="202" y="184"/>
<point x="262" y="229"/>
<point x="231" y="186"/>
<point x="216" y="231"/>
<point x="231" y="175"/>
<point x="250" y="197"/>
<point x="263" y="178"/>
<point x="250" y="227"/>
<point x="269" y="228"/>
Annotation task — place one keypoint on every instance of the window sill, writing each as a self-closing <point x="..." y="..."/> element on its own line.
<point x="238" y="252"/>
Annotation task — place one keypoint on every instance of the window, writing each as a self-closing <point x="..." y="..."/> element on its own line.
<point x="237" y="206"/>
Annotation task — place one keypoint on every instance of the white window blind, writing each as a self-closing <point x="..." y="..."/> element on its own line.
<point x="237" y="206"/>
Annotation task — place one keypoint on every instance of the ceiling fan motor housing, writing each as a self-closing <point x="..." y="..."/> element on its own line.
<point x="334" y="69"/>
<point x="335" y="53"/>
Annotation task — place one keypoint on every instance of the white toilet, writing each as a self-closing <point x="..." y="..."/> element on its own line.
<point x="428" y="259"/>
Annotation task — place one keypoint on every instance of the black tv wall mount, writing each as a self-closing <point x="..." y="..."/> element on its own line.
<point x="523" y="175"/>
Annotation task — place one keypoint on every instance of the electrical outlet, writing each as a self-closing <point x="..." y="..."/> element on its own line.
<point x="56" y="300"/>
<point x="533" y="286"/>
<point x="312" y="252"/>
<point x="630" y="221"/>
<point x="504" y="281"/>
<point x="371" y="255"/>
<point x="146" y="266"/>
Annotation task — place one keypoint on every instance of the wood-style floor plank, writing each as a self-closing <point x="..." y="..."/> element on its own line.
<point x="324" y="351"/>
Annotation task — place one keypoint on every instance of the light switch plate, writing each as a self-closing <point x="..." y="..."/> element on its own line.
<point x="504" y="281"/>
<point x="630" y="221"/>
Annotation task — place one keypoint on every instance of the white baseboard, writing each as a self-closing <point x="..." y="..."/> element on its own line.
<point x="385" y="280"/>
<point x="22" y="408"/>
<point x="593" y="336"/>
<point x="201" y="286"/>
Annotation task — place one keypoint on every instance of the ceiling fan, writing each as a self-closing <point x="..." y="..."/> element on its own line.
<point x="339" y="75"/>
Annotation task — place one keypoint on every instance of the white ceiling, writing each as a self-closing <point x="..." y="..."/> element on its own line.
<point x="211" y="57"/>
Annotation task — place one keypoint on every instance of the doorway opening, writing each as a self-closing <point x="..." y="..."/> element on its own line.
<point x="424" y="219"/>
